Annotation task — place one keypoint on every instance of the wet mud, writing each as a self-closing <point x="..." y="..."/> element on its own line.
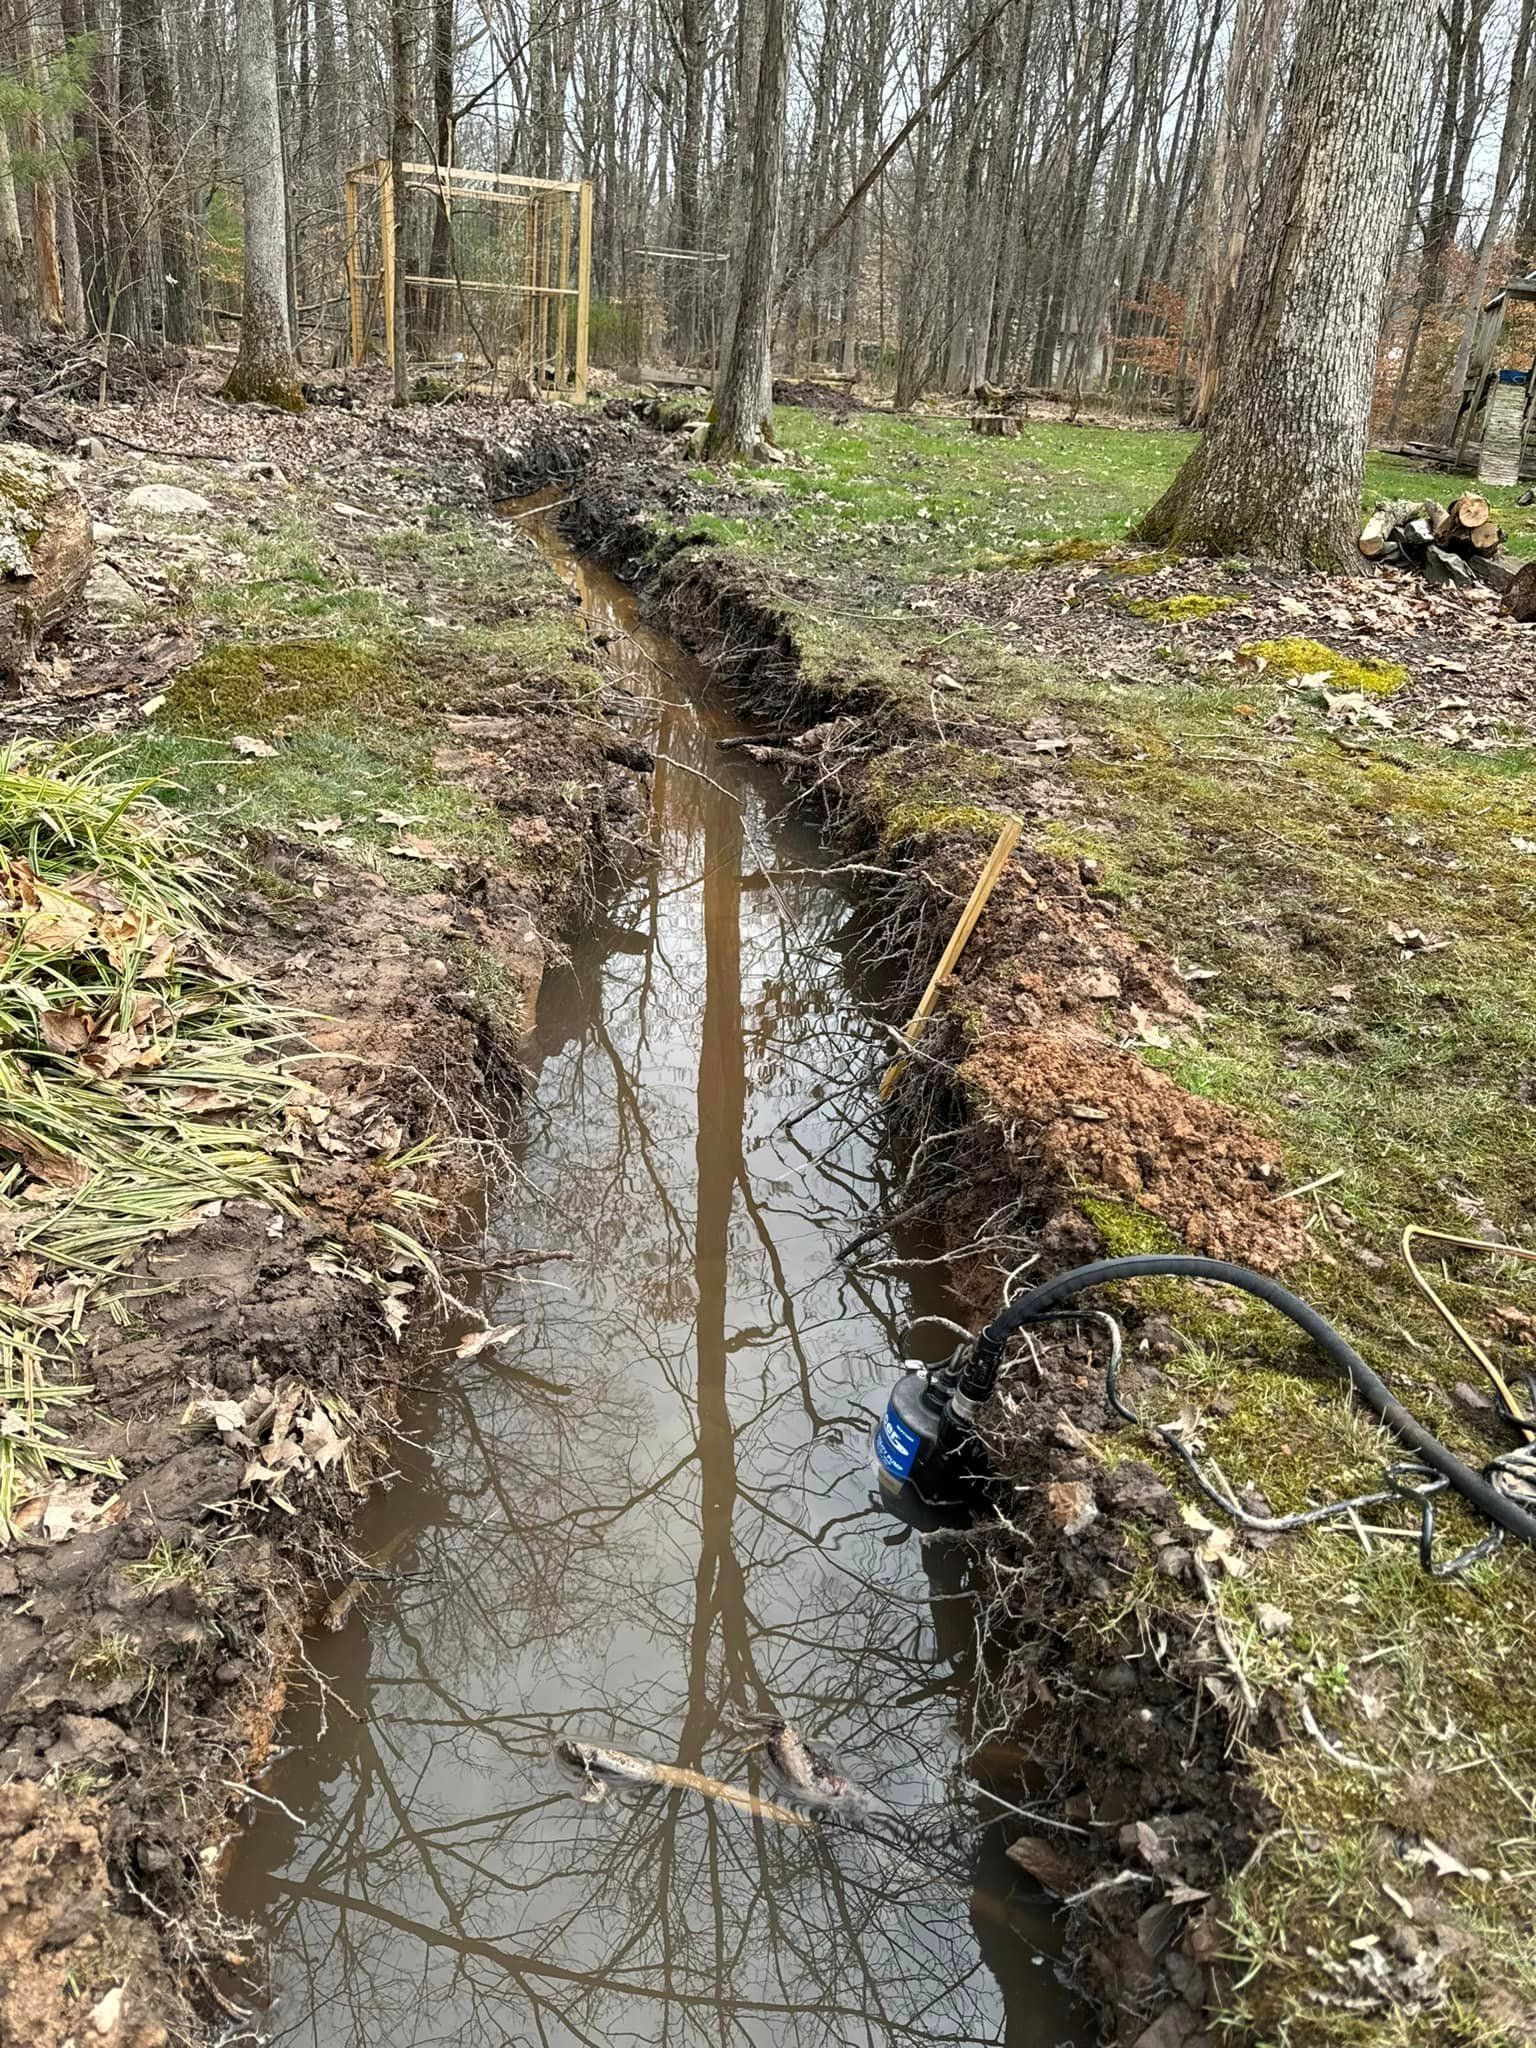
<point x="645" y="1517"/>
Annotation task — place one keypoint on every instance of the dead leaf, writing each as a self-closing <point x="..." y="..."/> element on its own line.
<point x="55" y="921"/>
<point x="66" y="1029"/>
<point x="1429" y="1855"/>
<point x="221" y="1413"/>
<point x="68" y="1508"/>
<point x="323" y="828"/>
<point x="198" y="1101"/>
<point x="411" y="846"/>
<point x="254" y="749"/>
<point x="320" y="1439"/>
<point x="488" y="1339"/>
<point x="57" y="1174"/>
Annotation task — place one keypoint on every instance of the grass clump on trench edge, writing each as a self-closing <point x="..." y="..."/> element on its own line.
<point x="318" y="709"/>
<point x="142" y="1076"/>
<point x="1366" y="914"/>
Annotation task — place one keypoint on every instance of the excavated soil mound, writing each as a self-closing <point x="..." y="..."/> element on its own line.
<point x="1088" y="1115"/>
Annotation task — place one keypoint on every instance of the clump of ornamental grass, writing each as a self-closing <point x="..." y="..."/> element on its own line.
<point x="141" y="1074"/>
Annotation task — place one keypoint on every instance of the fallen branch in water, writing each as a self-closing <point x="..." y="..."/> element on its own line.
<point x="593" y="1761"/>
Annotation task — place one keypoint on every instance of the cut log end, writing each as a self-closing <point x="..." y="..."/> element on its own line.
<point x="45" y="553"/>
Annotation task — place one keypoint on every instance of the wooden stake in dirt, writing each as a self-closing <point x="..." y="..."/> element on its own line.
<point x="986" y="882"/>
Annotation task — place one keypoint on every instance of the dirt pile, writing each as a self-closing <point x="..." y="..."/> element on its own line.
<point x="66" y="1952"/>
<point x="1089" y="1116"/>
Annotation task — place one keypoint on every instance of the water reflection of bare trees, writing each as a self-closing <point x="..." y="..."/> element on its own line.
<point x="684" y="1535"/>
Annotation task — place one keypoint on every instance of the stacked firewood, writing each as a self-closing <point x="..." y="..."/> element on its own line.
<point x="1453" y="544"/>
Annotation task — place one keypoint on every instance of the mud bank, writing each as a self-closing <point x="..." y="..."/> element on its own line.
<point x="246" y="1367"/>
<point x="1037" y="1136"/>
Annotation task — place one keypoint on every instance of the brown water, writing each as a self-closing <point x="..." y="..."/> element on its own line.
<point x="652" y="1512"/>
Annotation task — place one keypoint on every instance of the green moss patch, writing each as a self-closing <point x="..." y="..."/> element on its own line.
<point x="1300" y="658"/>
<point x="247" y="687"/>
<point x="1127" y="1231"/>
<point x="1177" y="611"/>
<point x="935" y="792"/>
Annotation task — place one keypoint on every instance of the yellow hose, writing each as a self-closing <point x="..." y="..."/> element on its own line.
<point x="1415" y="1231"/>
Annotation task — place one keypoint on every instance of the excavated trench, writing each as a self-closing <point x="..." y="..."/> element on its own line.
<point x="647" y="1514"/>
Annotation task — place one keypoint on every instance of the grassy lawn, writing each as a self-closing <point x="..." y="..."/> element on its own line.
<point x="927" y="496"/>
<point x="1362" y="908"/>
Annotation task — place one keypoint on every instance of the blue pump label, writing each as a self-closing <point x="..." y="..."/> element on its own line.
<point x="896" y="1445"/>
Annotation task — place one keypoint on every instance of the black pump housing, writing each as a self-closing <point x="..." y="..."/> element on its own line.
<point x="922" y="1450"/>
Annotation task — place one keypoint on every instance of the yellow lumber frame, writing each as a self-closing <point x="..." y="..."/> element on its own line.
<point x="557" y="214"/>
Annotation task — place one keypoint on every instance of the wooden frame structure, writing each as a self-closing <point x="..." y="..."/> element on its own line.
<point x="542" y="238"/>
<point x="1481" y="394"/>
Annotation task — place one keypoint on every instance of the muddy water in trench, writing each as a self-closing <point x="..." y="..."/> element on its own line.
<point x="651" y="1514"/>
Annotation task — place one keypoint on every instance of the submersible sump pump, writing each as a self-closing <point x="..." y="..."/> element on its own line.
<point x="929" y="1459"/>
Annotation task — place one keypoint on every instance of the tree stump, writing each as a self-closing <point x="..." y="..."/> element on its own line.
<point x="1002" y="423"/>
<point x="45" y="553"/>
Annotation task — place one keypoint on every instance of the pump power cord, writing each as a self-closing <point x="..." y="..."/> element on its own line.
<point x="1435" y="1468"/>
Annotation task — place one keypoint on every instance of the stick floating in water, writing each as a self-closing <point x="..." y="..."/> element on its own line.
<point x="596" y="1763"/>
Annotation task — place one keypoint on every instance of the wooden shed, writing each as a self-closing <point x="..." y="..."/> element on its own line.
<point x="1495" y="413"/>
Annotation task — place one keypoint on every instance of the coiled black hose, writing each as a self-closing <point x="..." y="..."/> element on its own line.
<point x="979" y="1375"/>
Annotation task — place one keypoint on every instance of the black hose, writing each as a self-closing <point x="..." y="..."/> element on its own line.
<point x="981" y="1369"/>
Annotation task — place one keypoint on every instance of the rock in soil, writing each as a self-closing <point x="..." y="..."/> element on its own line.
<point x="168" y="501"/>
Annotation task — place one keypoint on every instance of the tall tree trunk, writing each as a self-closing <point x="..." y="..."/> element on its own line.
<point x="744" y="401"/>
<point x="1279" y="472"/>
<point x="265" y="368"/>
<point x="166" y="180"/>
<point x="440" y="261"/>
<point x="1232" y="191"/>
<point x="18" y="304"/>
<point x="45" y="218"/>
<point x="89" y="181"/>
<point x="402" y="58"/>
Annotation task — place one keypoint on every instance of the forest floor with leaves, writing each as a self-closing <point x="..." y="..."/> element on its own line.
<point x="290" y="819"/>
<point x="1261" y="984"/>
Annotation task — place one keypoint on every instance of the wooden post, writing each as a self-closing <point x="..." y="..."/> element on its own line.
<point x="565" y="279"/>
<point x="986" y="882"/>
<point x="541" y="298"/>
<point x="529" y="303"/>
<point x="354" y="275"/>
<point x="386" y="178"/>
<point x="583" y="289"/>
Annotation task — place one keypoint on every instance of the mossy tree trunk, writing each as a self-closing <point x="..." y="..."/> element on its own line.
<point x="266" y="368"/>
<point x="1280" y="469"/>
